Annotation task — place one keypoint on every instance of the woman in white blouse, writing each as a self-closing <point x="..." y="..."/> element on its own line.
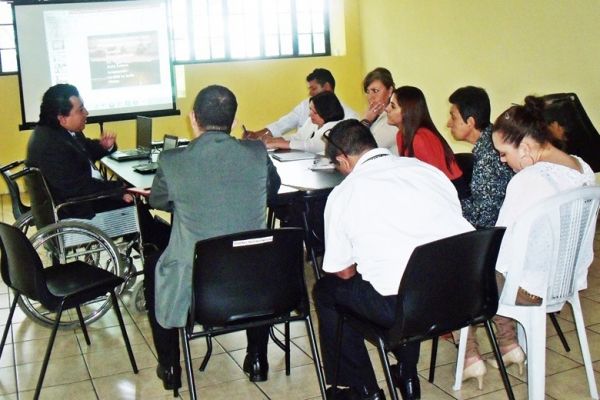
<point x="379" y="86"/>
<point x="325" y="111"/>
<point x="523" y="141"/>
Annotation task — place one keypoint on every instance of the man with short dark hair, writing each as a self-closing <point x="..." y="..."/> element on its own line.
<point x="215" y="186"/>
<point x="66" y="157"/>
<point x="319" y="80"/>
<point x="470" y="121"/>
<point x="385" y="207"/>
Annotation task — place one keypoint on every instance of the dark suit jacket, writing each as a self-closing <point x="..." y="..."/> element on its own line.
<point x="65" y="163"/>
<point x="215" y="186"/>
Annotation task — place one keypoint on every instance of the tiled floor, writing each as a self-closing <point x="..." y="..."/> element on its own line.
<point x="102" y="370"/>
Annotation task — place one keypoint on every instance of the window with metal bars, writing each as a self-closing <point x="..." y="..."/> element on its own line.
<point x="217" y="30"/>
<point x="221" y="30"/>
<point x="8" y="51"/>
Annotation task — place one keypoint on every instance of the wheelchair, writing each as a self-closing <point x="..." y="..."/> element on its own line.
<point x="21" y="212"/>
<point x="107" y="241"/>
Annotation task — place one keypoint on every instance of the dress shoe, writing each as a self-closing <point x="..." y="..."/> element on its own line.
<point x="170" y="376"/>
<point x="257" y="367"/>
<point x="514" y="356"/>
<point x="410" y="387"/>
<point x="354" y="394"/>
<point x="476" y="370"/>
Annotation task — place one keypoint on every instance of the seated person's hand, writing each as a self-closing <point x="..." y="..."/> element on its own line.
<point x="137" y="192"/>
<point x="108" y="139"/>
<point x="276" y="143"/>
<point x="374" y="111"/>
<point x="258" y="135"/>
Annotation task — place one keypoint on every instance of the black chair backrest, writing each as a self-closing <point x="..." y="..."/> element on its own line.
<point x="13" y="188"/>
<point x="465" y="162"/>
<point x="448" y="284"/>
<point x="21" y="266"/>
<point x="313" y="218"/>
<point x="583" y="139"/>
<point x="42" y="205"/>
<point x="249" y="275"/>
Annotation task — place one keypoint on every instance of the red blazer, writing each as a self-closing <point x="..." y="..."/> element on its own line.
<point x="428" y="148"/>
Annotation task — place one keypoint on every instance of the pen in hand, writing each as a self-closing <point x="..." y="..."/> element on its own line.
<point x="245" y="130"/>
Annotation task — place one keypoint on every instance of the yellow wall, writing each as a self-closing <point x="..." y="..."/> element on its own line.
<point x="512" y="48"/>
<point x="265" y="89"/>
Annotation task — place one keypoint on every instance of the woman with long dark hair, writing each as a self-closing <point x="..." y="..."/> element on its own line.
<point x="418" y="137"/>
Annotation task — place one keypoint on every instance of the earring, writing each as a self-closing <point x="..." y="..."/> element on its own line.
<point x="528" y="161"/>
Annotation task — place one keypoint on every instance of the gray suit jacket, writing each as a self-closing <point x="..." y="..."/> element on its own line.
<point x="215" y="186"/>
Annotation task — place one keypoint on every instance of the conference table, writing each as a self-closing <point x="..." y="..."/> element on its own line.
<point x="296" y="176"/>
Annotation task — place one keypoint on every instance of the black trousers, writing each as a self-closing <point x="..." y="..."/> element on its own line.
<point x="166" y="341"/>
<point x="355" y="369"/>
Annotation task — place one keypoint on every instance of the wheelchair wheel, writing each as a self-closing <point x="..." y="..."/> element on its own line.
<point x="69" y="241"/>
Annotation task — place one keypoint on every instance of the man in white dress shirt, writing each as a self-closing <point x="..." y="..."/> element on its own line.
<point x="385" y="207"/>
<point x="320" y="80"/>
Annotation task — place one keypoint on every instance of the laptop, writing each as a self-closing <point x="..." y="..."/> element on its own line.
<point x="169" y="142"/>
<point x="143" y="142"/>
<point x="292" y="155"/>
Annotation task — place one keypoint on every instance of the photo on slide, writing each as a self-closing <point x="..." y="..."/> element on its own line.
<point x="121" y="60"/>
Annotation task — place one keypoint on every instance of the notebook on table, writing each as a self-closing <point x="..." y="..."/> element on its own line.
<point x="292" y="155"/>
<point x="143" y="142"/>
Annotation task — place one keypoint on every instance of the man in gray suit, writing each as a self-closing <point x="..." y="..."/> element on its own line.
<point x="215" y="186"/>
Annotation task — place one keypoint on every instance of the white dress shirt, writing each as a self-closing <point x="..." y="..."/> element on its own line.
<point x="296" y="118"/>
<point x="385" y="208"/>
<point x="384" y="133"/>
<point x="308" y="137"/>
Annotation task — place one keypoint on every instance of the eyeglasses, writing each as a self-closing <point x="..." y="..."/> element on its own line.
<point x="327" y="139"/>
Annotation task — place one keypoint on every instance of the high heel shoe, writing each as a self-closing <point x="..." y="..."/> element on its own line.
<point x="476" y="370"/>
<point x="515" y="356"/>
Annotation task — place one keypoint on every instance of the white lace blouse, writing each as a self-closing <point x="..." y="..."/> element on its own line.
<point x="527" y="188"/>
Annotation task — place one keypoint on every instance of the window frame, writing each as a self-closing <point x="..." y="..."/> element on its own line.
<point x="326" y="37"/>
<point x="227" y="58"/>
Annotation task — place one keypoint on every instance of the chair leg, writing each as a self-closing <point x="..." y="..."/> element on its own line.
<point x="584" y="345"/>
<point x="503" y="374"/>
<point x="434" y="347"/>
<point x="115" y="304"/>
<point x="209" y="349"/>
<point x="38" y="388"/>
<point x="275" y="339"/>
<point x="83" y="327"/>
<point x="315" y="353"/>
<point x="8" y="321"/>
<point x="460" y="358"/>
<point x="287" y="348"/>
<point x="313" y="259"/>
<point x="187" y="355"/>
<point x="385" y="362"/>
<point x="559" y="331"/>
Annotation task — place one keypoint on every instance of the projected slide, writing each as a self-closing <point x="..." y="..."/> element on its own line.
<point x="124" y="60"/>
<point x="116" y="53"/>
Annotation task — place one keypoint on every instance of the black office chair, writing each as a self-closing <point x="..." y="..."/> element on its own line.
<point x="314" y="225"/>
<point x="448" y="284"/>
<point x="57" y="288"/>
<point x="245" y="280"/>
<point x="76" y="239"/>
<point x="11" y="173"/>
<point x="582" y="138"/>
<point x="465" y="163"/>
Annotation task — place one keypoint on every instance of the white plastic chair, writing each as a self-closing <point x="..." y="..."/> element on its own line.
<point x="561" y="228"/>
